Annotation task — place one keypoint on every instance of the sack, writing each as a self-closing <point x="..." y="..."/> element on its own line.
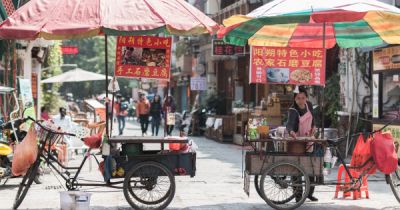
<point x="93" y="141"/>
<point x="171" y="118"/>
<point x="361" y="154"/>
<point x="383" y="152"/>
<point x="25" y="153"/>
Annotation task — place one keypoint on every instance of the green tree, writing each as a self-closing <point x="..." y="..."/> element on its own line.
<point x="91" y="57"/>
<point x="50" y="96"/>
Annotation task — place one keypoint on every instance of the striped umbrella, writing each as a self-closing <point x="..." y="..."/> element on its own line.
<point x="315" y="24"/>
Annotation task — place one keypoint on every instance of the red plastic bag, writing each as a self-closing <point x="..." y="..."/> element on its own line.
<point x="383" y="152"/>
<point x="362" y="154"/>
<point x="25" y="153"/>
<point x="93" y="141"/>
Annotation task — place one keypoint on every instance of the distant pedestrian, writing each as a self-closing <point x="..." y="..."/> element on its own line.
<point x="169" y="108"/>
<point x="142" y="112"/>
<point x="155" y="113"/>
<point x="44" y="115"/>
<point x="121" y="110"/>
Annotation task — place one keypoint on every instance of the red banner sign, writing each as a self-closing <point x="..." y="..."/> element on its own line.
<point x="278" y="65"/>
<point x="143" y="57"/>
<point x="69" y="50"/>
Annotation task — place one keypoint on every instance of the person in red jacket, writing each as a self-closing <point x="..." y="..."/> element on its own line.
<point x="142" y="112"/>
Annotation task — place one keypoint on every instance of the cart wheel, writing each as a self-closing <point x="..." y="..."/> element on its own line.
<point x="394" y="182"/>
<point x="26" y="183"/>
<point x="281" y="182"/>
<point x="149" y="185"/>
<point x="257" y="185"/>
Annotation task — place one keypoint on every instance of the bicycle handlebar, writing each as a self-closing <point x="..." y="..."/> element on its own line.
<point x="337" y="141"/>
<point x="18" y="122"/>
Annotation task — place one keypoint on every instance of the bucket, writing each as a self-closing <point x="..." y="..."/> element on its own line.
<point x="74" y="200"/>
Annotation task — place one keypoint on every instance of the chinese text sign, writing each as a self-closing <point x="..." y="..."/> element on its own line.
<point x="277" y="65"/>
<point x="143" y="57"/>
<point x="219" y="47"/>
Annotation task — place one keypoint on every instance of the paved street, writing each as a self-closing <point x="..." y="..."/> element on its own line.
<point x="217" y="185"/>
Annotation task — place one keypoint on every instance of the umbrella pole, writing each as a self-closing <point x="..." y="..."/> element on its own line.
<point x="106" y="72"/>
<point x="323" y="87"/>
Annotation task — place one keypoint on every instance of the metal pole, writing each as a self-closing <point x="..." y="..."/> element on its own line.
<point x="106" y="72"/>
<point x="323" y="87"/>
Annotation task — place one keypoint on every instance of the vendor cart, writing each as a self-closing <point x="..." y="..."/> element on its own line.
<point x="147" y="176"/>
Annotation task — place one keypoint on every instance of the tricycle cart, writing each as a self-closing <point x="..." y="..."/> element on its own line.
<point x="283" y="174"/>
<point x="147" y="179"/>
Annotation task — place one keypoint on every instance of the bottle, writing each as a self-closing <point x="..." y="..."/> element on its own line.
<point x="327" y="161"/>
<point x="105" y="149"/>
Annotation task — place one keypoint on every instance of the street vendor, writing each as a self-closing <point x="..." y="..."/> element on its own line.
<point x="300" y="118"/>
<point x="301" y="124"/>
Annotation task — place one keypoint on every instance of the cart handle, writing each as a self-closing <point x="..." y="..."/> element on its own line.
<point x="337" y="141"/>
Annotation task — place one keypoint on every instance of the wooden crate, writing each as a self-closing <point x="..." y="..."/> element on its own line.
<point x="256" y="163"/>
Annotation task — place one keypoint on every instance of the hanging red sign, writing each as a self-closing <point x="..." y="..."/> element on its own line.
<point x="69" y="50"/>
<point x="279" y="65"/>
<point x="143" y="57"/>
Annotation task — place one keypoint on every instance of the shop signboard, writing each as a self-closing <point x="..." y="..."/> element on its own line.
<point x="281" y="65"/>
<point x="198" y="83"/>
<point x="219" y="47"/>
<point x="395" y="130"/>
<point x="386" y="58"/>
<point x="143" y="57"/>
<point x="25" y="88"/>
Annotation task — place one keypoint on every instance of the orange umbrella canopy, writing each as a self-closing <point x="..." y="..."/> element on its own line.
<point x="67" y="19"/>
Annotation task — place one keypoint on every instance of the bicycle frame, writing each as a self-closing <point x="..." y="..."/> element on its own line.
<point x="71" y="182"/>
<point x="353" y="180"/>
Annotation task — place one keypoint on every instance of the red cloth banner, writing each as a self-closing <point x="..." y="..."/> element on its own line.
<point x="143" y="57"/>
<point x="281" y="65"/>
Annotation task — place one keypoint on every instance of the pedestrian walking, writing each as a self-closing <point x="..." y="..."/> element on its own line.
<point x="169" y="108"/>
<point x="121" y="110"/>
<point x="155" y="113"/>
<point x="142" y="112"/>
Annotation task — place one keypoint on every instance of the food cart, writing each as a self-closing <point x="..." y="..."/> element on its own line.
<point x="142" y="171"/>
<point x="293" y="26"/>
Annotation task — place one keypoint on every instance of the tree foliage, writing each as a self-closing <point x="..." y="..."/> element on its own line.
<point x="50" y="96"/>
<point x="91" y="57"/>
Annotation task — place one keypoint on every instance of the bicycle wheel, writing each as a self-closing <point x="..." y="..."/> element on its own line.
<point x="26" y="183"/>
<point x="257" y="185"/>
<point x="282" y="182"/>
<point x="149" y="185"/>
<point x="394" y="182"/>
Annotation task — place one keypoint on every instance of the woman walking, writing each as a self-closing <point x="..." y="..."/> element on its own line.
<point x="169" y="108"/>
<point x="155" y="113"/>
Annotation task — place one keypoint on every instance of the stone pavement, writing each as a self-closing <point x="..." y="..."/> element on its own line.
<point x="218" y="184"/>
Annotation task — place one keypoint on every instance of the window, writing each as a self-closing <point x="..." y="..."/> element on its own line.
<point x="390" y="94"/>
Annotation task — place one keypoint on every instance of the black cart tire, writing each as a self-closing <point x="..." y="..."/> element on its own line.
<point x="257" y="185"/>
<point x="287" y="178"/>
<point x="26" y="183"/>
<point x="148" y="177"/>
<point x="394" y="182"/>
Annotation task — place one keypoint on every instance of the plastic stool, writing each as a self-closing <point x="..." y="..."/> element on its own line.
<point x="356" y="193"/>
